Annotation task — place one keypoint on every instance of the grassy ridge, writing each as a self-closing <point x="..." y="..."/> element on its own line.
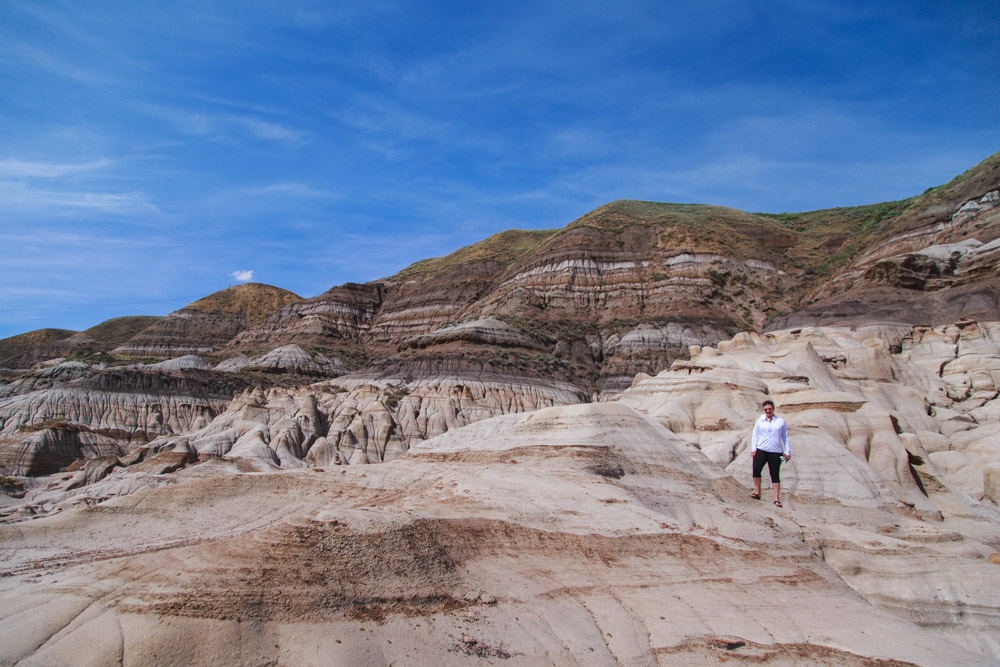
<point x="256" y="301"/>
<point x="501" y="249"/>
<point x="21" y="343"/>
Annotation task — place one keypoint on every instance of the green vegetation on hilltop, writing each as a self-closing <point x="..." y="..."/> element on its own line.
<point x="983" y="169"/>
<point x="623" y="213"/>
<point x="501" y="249"/>
<point x="112" y="333"/>
<point x="256" y="301"/>
<point x="692" y="227"/>
<point x="828" y="239"/>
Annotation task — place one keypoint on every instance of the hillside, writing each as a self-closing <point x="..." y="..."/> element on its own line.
<point x="17" y="345"/>
<point x="208" y="322"/>
<point x="19" y="353"/>
<point x="111" y="333"/>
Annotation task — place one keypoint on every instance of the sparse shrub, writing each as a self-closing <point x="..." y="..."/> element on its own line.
<point x="718" y="279"/>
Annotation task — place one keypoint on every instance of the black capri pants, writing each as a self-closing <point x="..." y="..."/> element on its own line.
<point x="773" y="461"/>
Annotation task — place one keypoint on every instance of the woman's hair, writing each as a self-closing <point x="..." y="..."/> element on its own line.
<point x="767" y="402"/>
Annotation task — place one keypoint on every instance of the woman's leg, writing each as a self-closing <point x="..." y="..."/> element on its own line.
<point x="774" y="467"/>
<point x="759" y="458"/>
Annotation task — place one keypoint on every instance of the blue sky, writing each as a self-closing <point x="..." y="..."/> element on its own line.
<point x="153" y="153"/>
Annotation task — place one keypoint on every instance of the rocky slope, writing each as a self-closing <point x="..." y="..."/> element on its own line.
<point x="19" y="354"/>
<point x="208" y="323"/>
<point x="70" y="412"/>
<point x="933" y="262"/>
<point x="582" y="534"/>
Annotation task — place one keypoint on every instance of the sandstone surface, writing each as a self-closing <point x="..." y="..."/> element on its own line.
<point x="580" y="535"/>
<point x="632" y="513"/>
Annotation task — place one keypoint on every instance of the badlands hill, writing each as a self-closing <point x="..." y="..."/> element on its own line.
<point x="20" y="353"/>
<point x="561" y="419"/>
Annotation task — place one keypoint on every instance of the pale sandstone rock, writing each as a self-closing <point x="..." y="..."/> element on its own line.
<point x="180" y="363"/>
<point x="290" y="358"/>
<point x="359" y="421"/>
<point x="870" y="446"/>
<point x="880" y="485"/>
<point x="85" y="421"/>
<point x="572" y="535"/>
<point x="991" y="481"/>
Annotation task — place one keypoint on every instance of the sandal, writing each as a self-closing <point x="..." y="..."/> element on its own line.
<point x="777" y="503"/>
<point x="755" y="496"/>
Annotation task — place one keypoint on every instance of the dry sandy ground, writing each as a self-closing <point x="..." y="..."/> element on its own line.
<point x="574" y="535"/>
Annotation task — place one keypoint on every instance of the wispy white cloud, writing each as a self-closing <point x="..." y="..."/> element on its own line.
<point x="266" y="130"/>
<point x="77" y="237"/>
<point x="195" y="120"/>
<point x="16" y="168"/>
<point x="382" y="115"/>
<point x="242" y="276"/>
<point x="47" y="62"/>
<point x="37" y="201"/>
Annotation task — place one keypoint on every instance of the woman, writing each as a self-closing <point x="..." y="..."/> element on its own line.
<point x="769" y="444"/>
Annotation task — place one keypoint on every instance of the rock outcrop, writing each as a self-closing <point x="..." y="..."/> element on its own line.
<point x="73" y="411"/>
<point x="20" y="354"/>
<point x="580" y="534"/>
<point x="935" y="262"/>
<point x="336" y="318"/>
<point x="356" y="421"/>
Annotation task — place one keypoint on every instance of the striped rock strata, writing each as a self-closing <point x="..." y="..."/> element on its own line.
<point x="73" y="411"/>
<point x="356" y="421"/>
<point x="209" y="323"/>
<point x="939" y="261"/>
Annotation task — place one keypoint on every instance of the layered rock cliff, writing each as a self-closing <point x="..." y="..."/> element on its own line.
<point x="625" y="289"/>
<point x="933" y="262"/>
<point x="208" y="323"/>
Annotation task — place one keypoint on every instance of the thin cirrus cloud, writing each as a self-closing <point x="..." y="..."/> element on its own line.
<point x="25" y="200"/>
<point x="15" y="168"/>
<point x="199" y="119"/>
<point x="230" y="124"/>
<point x="291" y="189"/>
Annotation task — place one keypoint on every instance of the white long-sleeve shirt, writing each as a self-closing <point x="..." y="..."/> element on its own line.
<point x="770" y="436"/>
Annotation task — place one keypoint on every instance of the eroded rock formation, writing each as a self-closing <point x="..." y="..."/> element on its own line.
<point x="938" y="261"/>
<point x="561" y="421"/>
<point x="578" y="534"/>
<point x="72" y="411"/>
